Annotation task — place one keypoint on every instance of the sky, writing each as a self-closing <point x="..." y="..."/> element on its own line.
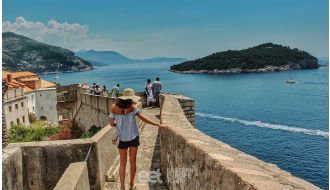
<point x="172" y="28"/>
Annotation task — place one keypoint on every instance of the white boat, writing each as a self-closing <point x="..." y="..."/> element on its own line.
<point x="290" y="81"/>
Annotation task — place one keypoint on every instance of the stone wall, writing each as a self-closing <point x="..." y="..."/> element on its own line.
<point x="212" y="164"/>
<point x="43" y="163"/>
<point x="12" y="168"/>
<point x="94" y="110"/>
<point x="187" y="105"/>
<point x="75" y="177"/>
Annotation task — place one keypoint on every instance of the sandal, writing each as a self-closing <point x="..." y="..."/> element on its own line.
<point x="133" y="188"/>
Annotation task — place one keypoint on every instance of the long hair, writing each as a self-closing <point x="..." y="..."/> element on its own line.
<point x="124" y="104"/>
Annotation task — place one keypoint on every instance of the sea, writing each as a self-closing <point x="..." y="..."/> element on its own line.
<point x="257" y="113"/>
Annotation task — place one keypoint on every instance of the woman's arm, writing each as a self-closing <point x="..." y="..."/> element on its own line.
<point x="112" y="120"/>
<point x="146" y="120"/>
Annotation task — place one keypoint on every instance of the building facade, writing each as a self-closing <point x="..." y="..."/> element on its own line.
<point x="15" y="105"/>
<point x="41" y="97"/>
<point x="46" y="104"/>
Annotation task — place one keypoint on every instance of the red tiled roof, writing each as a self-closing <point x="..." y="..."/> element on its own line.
<point x="46" y="84"/>
<point x="17" y="81"/>
<point x="23" y="74"/>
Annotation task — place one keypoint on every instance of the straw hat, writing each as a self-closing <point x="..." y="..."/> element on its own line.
<point x="128" y="93"/>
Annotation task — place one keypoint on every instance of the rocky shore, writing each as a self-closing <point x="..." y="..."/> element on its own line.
<point x="238" y="70"/>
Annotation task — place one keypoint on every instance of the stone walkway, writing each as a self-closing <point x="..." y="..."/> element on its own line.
<point x="148" y="157"/>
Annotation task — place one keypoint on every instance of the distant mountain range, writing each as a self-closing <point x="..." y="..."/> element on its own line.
<point x="262" y="58"/>
<point x="20" y="53"/>
<point x="103" y="58"/>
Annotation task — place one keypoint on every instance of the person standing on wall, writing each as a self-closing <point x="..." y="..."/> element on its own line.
<point x="123" y="116"/>
<point x="149" y="92"/>
<point x="115" y="91"/>
<point x="157" y="87"/>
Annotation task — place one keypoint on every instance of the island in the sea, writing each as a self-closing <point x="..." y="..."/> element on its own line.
<point x="266" y="57"/>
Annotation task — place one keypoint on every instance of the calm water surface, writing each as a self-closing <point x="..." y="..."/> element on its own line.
<point x="257" y="113"/>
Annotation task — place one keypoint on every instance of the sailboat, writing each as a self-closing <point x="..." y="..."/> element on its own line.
<point x="290" y="81"/>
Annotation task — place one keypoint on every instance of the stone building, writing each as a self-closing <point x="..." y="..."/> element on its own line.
<point x="15" y="105"/>
<point x="40" y="94"/>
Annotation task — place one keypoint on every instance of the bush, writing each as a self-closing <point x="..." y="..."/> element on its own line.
<point x="19" y="133"/>
<point x="91" y="132"/>
<point x="32" y="117"/>
<point x="63" y="134"/>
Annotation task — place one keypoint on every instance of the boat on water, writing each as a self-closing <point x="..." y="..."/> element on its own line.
<point x="291" y="81"/>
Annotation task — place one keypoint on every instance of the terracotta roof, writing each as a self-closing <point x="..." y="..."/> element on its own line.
<point x="29" y="79"/>
<point x="5" y="73"/>
<point x="23" y="74"/>
<point x="17" y="81"/>
<point x="28" y="89"/>
<point x="46" y="84"/>
<point x="15" y="84"/>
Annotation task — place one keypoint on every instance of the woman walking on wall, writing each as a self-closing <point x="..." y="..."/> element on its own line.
<point x="123" y="116"/>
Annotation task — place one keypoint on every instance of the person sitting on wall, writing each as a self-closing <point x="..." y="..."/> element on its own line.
<point x="105" y="92"/>
<point x="123" y="116"/>
<point x="97" y="90"/>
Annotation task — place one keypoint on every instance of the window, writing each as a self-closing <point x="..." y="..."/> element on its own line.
<point x="42" y="108"/>
<point x="16" y="106"/>
<point x="33" y="108"/>
<point x="17" y="121"/>
<point x="22" y="104"/>
<point x="9" y="108"/>
<point x="11" y="123"/>
<point x="23" y="119"/>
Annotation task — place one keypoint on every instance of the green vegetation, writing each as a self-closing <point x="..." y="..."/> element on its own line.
<point x="18" y="133"/>
<point x="91" y="132"/>
<point x="56" y="83"/>
<point x="42" y="130"/>
<point x="20" y="53"/>
<point x="252" y="58"/>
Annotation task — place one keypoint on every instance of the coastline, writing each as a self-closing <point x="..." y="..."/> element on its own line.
<point x="239" y="70"/>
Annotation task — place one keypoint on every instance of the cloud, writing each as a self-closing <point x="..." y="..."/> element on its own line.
<point x="75" y="36"/>
<point x="69" y="35"/>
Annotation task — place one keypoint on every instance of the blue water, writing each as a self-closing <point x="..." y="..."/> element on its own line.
<point x="257" y="113"/>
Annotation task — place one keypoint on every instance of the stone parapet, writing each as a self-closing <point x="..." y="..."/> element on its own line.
<point x="75" y="177"/>
<point x="186" y="104"/>
<point x="12" y="168"/>
<point x="212" y="164"/>
<point x="39" y="165"/>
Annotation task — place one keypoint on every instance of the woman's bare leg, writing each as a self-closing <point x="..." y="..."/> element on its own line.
<point x="132" y="161"/>
<point x="122" y="167"/>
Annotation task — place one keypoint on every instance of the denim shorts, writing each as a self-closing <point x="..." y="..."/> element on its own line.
<point x="133" y="143"/>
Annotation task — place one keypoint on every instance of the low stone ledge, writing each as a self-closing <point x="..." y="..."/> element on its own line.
<point x="12" y="168"/>
<point x="215" y="164"/>
<point x="75" y="177"/>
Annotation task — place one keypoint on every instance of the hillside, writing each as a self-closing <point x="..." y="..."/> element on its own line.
<point x="20" y="53"/>
<point x="101" y="58"/>
<point x="262" y="58"/>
